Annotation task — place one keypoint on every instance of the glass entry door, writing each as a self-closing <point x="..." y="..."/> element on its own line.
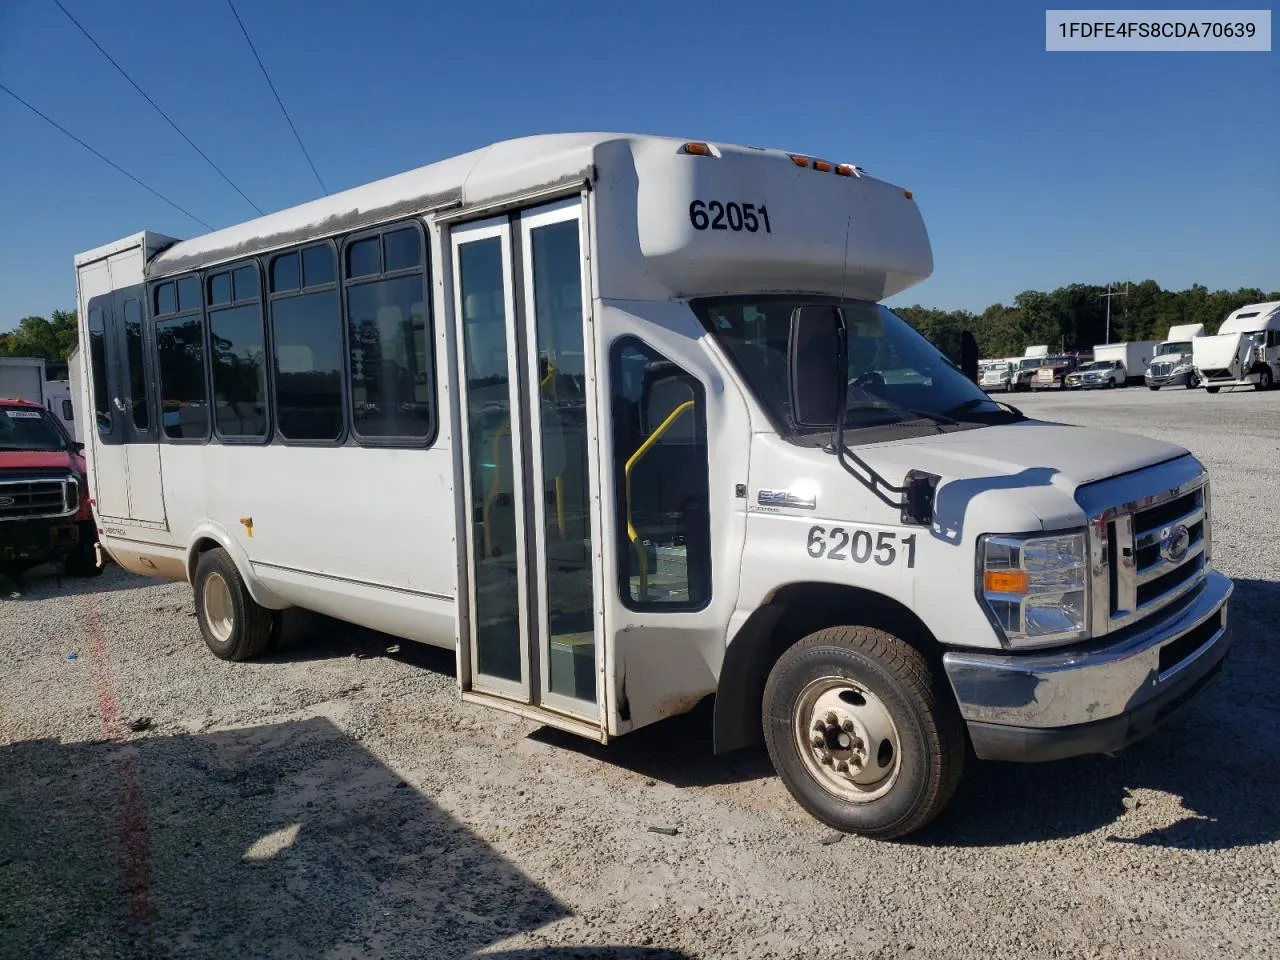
<point x="529" y="460"/>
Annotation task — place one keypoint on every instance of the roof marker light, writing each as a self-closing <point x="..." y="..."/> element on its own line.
<point x="848" y="170"/>
<point x="696" y="149"/>
<point x="908" y="194"/>
<point x="823" y="165"/>
<point x="799" y="161"/>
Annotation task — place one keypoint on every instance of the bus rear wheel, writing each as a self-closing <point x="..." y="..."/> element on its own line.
<point x="862" y="733"/>
<point x="234" y="626"/>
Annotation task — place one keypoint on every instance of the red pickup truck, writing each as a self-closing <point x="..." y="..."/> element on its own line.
<point x="45" y="514"/>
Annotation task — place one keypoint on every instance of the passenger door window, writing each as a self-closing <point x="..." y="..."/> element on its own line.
<point x="661" y="474"/>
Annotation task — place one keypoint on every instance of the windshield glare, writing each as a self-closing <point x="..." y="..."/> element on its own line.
<point x="895" y="374"/>
<point x="1167" y="348"/>
<point x="29" y="428"/>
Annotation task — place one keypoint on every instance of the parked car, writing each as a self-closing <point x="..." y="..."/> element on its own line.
<point x="44" y="495"/>
<point x="1098" y="373"/>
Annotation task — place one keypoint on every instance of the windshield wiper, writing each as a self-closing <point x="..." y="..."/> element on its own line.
<point x="979" y="401"/>
<point x="939" y="418"/>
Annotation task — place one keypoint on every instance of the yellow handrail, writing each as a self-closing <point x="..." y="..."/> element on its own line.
<point x="635" y="458"/>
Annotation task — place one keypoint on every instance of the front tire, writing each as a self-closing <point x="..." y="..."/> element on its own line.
<point x="234" y="626"/>
<point x="1264" y="379"/>
<point x="1152" y="388"/>
<point x="1212" y="389"/>
<point x="862" y="732"/>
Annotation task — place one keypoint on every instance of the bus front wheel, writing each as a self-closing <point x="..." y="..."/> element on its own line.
<point x="862" y="732"/>
<point x="234" y="626"/>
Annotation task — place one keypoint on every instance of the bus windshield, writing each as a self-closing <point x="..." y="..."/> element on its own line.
<point x="29" y="428"/>
<point x="895" y="374"/>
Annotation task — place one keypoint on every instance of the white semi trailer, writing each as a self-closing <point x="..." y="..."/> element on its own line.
<point x="22" y="378"/>
<point x="1245" y="352"/>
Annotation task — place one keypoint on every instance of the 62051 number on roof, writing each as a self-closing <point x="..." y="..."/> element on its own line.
<point x="715" y="215"/>
<point x="884" y="548"/>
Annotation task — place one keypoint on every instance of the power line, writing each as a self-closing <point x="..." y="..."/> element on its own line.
<point x="267" y="76"/>
<point x="106" y="160"/>
<point x="143" y="93"/>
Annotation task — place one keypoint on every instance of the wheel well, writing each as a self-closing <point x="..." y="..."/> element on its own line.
<point x="794" y="612"/>
<point x="193" y="558"/>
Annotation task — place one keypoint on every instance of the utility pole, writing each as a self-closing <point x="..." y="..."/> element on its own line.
<point x="1107" y="296"/>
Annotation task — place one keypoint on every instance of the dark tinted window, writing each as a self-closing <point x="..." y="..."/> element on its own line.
<point x="390" y="353"/>
<point x="188" y="294"/>
<point x="284" y="273"/>
<point x="246" y="282"/>
<point x="318" y="266"/>
<point x="238" y="360"/>
<point x="141" y="399"/>
<point x="362" y="258"/>
<point x="184" y="408"/>
<point x="667" y="563"/>
<point x="98" y="360"/>
<point x="402" y="249"/>
<point x="166" y="299"/>
<point x="219" y="289"/>
<point x="306" y="332"/>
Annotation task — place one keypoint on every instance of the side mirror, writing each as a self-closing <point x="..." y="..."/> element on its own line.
<point x="77" y="446"/>
<point x="819" y="368"/>
<point x="969" y="355"/>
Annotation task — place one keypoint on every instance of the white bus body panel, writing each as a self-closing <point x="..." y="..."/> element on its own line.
<point x="22" y="378"/>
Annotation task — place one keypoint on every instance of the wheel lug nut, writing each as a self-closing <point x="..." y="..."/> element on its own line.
<point x="831" y="718"/>
<point x="842" y="767"/>
<point x="826" y="760"/>
<point x="818" y="740"/>
<point x="847" y="726"/>
<point x="820" y="726"/>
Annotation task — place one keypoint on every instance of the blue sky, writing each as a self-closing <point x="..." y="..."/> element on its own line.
<point x="1032" y="169"/>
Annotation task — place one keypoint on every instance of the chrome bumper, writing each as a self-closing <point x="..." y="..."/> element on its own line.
<point x="1090" y="699"/>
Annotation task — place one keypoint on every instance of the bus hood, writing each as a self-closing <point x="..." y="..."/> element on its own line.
<point x="1063" y="456"/>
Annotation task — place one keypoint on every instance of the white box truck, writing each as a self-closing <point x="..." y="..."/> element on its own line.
<point x="1134" y="356"/>
<point x="643" y="434"/>
<point x="1172" y="365"/>
<point x="57" y="400"/>
<point x="22" y="378"/>
<point x="1245" y="352"/>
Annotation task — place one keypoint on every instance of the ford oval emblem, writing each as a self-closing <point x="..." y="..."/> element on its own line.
<point x="1174" y="543"/>
<point x="6" y="501"/>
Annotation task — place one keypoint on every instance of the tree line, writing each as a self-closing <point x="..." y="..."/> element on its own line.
<point x="1074" y="318"/>
<point x="1070" y="318"/>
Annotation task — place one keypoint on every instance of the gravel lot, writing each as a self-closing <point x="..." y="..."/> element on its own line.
<point x="338" y="801"/>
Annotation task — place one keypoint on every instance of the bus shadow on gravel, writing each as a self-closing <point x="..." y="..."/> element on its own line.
<point x="286" y="839"/>
<point x="47" y="582"/>
<point x="1216" y="755"/>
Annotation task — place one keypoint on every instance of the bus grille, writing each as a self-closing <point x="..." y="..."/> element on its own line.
<point x="1157" y="554"/>
<point x="36" y="498"/>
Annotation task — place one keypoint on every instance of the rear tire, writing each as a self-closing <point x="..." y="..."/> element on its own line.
<point x="883" y="714"/>
<point x="234" y="626"/>
<point x="1212" y="389"/>
<point x="1151" y="388"/>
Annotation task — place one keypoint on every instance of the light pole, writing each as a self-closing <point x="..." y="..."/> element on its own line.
<point x="1107" y="296"/>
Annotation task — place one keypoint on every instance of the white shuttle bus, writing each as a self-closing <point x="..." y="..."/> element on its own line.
<point x="621" y="420"/>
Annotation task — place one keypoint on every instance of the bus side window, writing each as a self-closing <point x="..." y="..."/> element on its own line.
<point x="661" y="478"/>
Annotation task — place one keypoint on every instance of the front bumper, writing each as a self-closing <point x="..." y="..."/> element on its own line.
<point x="1090" y="698"/>
<point x="1176" y="380"/>
<point x="37" y="540"/>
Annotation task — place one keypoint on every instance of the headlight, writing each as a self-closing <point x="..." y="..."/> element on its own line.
<point x="1035" y="588"/>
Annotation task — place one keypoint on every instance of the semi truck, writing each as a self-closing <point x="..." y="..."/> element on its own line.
<point x="643" y="433"/>
<point x="1172" y="365"/>
<point x="1134" y="357"/>
<point x="1245" y="351"/>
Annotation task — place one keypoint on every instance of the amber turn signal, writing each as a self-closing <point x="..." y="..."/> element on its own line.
<point x="1005" y="581"/>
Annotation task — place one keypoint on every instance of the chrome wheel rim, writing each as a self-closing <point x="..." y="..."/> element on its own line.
<point x="847" y="739"/>
<point x="219" y="617"/>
